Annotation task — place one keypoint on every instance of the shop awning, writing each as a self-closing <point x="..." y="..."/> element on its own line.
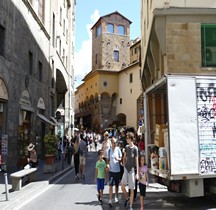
<point x="43" y="118"/>
<point x="54" y="120"/>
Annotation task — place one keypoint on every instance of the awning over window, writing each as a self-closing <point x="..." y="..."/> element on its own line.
<point x="43" y="118"/>
<point x="54" y="120"/>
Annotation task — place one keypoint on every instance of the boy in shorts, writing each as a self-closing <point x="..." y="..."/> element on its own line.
<point x="100" y="172"/>
<point x="130" y="161"/>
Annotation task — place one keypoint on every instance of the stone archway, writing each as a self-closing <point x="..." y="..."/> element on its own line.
<point x="121" y="119"/>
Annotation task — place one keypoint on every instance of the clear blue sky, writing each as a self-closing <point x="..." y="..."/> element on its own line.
<point x="87" y="13"/>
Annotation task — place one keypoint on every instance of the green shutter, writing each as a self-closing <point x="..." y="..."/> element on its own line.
<point x="208" y="36"/>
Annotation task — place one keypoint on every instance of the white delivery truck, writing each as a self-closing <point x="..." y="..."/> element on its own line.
<point x="180" y="118"/>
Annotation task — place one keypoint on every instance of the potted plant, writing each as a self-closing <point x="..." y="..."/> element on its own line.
<point x="51" y="144"/>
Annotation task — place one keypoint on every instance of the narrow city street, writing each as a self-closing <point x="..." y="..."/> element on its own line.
<point x="69" y="194"/>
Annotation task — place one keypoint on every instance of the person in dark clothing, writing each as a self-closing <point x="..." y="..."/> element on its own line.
<point x="120" y="144"/>
<point x="76" y="157"/>
<point x="123" y="137"/>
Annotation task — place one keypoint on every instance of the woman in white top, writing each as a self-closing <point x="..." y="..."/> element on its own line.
<point x="106" y="144"/>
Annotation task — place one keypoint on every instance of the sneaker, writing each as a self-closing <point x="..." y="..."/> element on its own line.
<point x="110" y="204"/>
<point x="116" y="200"/>
<point x="100" y="202"/>
<point x="131" y="208"/>
<point x="99" y="199"/>
<point x="126" y="201"/>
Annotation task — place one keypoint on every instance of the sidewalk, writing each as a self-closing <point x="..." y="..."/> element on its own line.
<point x="32" y="189"/>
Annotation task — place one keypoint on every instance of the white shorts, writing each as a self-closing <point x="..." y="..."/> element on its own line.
<point x="129" y="178"/>
<point x="82" y="160"/>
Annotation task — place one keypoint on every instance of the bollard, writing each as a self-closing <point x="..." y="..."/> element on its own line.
<point x="6" y="187"/>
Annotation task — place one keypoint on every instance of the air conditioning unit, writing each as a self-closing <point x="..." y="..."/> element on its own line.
<point x="210" y="55"/>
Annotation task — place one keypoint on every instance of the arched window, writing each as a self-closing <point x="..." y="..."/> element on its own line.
<point x="110" y="28"/>
<point x="121" y="30"/>
<point x="98" y="31"/>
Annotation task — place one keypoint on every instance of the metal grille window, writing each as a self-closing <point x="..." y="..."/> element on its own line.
<point x="208" y="36"/>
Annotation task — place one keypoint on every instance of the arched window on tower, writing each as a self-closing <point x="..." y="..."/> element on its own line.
<point x="98" y="31"/>
<point x="121" y="30"/>
<point x="110" y="28"/>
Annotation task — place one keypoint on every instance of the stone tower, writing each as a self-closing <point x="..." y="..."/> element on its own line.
<point x="111" y="42"/>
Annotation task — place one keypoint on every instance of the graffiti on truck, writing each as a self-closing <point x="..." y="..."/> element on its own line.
<point x="206" y="112"/>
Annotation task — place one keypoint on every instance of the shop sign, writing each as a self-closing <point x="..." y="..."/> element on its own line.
<point x="25" y="98"/>
<point x="41" y="104"/>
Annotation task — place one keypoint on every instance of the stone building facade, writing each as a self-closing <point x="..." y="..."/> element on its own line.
<point x="173" y="38"/>
<point x="177" y="38"/>
<point x="99" y="99"/>
<point x="110" y="42"/>
<point x="35" y="74"/>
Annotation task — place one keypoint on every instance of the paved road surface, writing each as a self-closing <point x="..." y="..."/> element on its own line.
<point x="70" y="194"/>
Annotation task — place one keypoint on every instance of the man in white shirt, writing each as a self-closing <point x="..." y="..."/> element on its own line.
<point x="114" y="158"/>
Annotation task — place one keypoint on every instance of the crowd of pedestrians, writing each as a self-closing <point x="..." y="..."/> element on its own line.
<point x="120" y="164"/>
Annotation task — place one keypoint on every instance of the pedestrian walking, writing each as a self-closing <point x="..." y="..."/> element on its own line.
<point x="82" y="156"/>
<point x="76" y="156"/>
<point x="123" y="137"/>
<point x="121" y="147"/>
<point x="143" y="180"/>
<point x="100" y="173"/>
<point x="70" y="151"/>
<point x="60" y="148"/>
<point x="106" y="144"/>
<point x="113" y="164"/>
<point x="131" y="162"/>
